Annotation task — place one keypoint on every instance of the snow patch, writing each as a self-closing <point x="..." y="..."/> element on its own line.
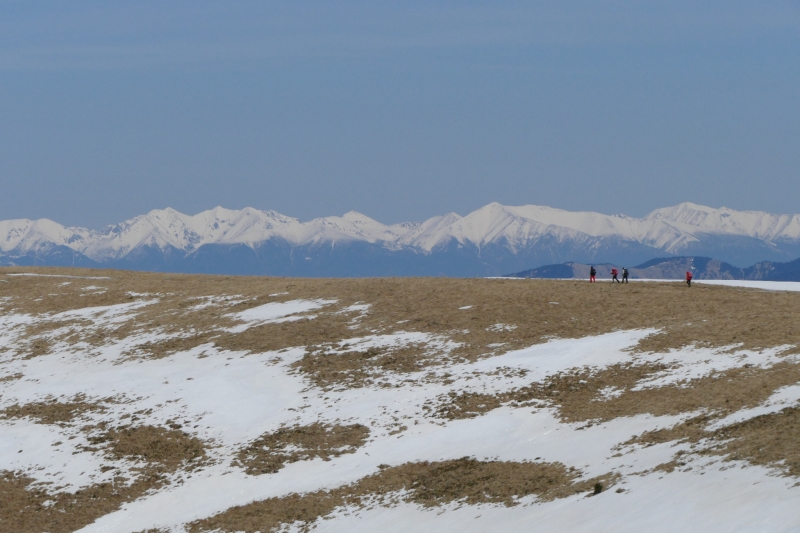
<point x="782" y="398"/>
<point x="275" y="312"/>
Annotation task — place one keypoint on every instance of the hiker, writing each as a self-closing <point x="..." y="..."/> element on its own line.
<point x="688" y="278"/>
<point x="624" y="275"/>
<point x="592" y="274"/>
<point x="614" y="273"/>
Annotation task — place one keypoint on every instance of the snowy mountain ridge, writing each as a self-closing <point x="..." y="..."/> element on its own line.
<point x="512" y="230"/>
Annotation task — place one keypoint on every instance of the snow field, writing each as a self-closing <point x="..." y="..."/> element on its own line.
<point x="229" y="398"/>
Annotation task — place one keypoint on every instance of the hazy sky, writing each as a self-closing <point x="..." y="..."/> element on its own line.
<point x="399" y="110"/>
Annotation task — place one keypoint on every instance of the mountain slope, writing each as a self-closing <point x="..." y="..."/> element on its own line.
<point x="673" y="268"/>
<point x="489" y="241"/>
<point x="143" y="402"/>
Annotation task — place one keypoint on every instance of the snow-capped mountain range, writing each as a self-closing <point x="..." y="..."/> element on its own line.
<point x="494" y="239"/>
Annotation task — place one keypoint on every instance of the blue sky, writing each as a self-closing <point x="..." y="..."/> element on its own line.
<point x="399" y="110"/>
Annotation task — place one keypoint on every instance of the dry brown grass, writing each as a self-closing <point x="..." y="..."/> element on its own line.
<point x="270" y="452"/>
<point x="329" y="369"/>
<point x="578" y="396"/>
<point x="769" y="440"/>
<point x="720" y="394"/>
<point x="428" y="484"/>
<point x="703" y="315"/>
<point x="576" y="393"/>
<point x="28" y="507"/>
<point x="163" y="450"/>
<point x="51" y="411"/>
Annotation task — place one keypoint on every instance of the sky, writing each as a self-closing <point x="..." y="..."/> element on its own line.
<point x="398" y="110"/>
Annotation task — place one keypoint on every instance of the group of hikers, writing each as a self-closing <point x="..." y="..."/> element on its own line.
<point x="615" y="273"/>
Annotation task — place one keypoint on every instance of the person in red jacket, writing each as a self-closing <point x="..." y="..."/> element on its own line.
<point x="688" y="278"/>
<point x="614" y="273"/>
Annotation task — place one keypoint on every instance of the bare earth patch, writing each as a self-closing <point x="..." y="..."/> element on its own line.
<point x="578" y="395"/>
<point x="162" y="450"/>
<point x="466" y="311"/>
<point x="270" y="452"/>
<point x="428" y="484"/>
<point x="359" y="368"/>
<point x="768" y="440"/>
<point x="29" y="507"/>
<point x="52" y="411"/>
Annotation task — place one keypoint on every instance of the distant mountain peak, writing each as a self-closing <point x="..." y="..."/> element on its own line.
<point x="533" y="231"/>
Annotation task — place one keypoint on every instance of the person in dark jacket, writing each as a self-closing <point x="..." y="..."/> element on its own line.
<point x="624" y="275"/>
<point x="688" y="278"/>
<point x="592" y="274"/>
<point x="614" y="273"/>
